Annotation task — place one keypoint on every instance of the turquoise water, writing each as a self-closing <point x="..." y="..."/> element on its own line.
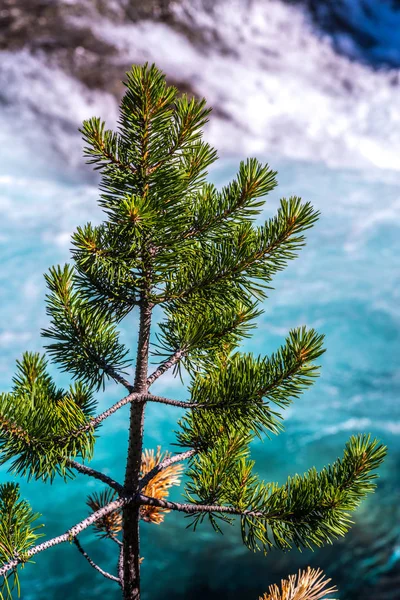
<point x="345" y="284"/>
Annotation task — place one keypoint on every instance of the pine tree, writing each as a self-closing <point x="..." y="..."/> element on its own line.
<point x="171" y="240"/>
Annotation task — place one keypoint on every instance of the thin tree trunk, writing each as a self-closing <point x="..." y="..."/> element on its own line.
<point x="131" y="517"/>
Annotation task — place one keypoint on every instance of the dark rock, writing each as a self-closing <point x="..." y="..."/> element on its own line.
<point x="61" y="33"/>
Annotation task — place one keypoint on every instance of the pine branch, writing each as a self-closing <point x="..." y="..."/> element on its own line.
<point x="235" y="392"/>
<point x="207" y="330"/>
<point x="212" y="471"/>
<point x="170" y="402"/>
<point x="238" y="201"/>
<point x="289" y="371"/>
<point x="245" y="258"/>
<point x="313" y="509"/>
<point x="86" y="341"/>
<point x="117" y="377"/>
<point x="36" y="419"/>
<point x="117" y="541"/>
<point x="308" y="510"/>
<point x="93" y="564"/>
<point x="330" y="494"/>
<point x="104" y="147"/>
<point x="97" y="420"/>
<point x="132" y="397"/>
<point x="107" y="257"/>
<point x="197" y="508"/>
<point x="68" y="536"/>
<point x="18" y="530"/>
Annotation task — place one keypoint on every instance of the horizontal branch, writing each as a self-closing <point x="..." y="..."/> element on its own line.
<point x="95" y="421"/>
<point x="69" y="536"/>
<point x="197" y="508"/>
<point x="93" y="564"/>
<point x="139" y="498"/>
<point x="178" y="403"/>
<point x="110" y="411"/>
<point x="258" y="255"/>
<point x="172" y="360"/>
<point x="134" y="396"/>
<point x="199" y="405"/>
<point x="96" y="474"/>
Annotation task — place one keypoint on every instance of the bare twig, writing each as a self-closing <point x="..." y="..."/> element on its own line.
<point x="118" y="378"/>
<point x="134" y="396"/>
<point x="69" y="535"/>
<point x="93" y="564"/>
<point x="116" y="540"/>
<point x="170" y="362"/>
<point x="96" y="474"/>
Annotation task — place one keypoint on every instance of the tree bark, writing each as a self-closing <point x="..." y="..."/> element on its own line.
<point x="131" y="513"/>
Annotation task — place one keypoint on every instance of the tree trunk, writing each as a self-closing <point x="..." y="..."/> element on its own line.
<point x="131" y="516"/>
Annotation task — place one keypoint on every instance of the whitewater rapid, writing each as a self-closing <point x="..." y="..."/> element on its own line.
<point x="277" y="86"/>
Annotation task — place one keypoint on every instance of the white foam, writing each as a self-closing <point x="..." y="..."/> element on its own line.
<point x="356" y="425"/>
<point x="283" y="89"/>
<point x="42" y="111"/>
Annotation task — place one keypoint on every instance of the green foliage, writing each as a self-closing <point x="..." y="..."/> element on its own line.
<point x="107" y="269"/>
<point x="309" y="510"/>
<point x="204" y="330"/>
<point x="87" y="344"/>
<point x="313" y="509"/>
<point x="210" y="470"/>
<point x="234" y="392"/>
<point x="243" y="258"/>
<point x="235" y="203"/>
<point x="17" y="531"/>
<point x="37" y="418"/>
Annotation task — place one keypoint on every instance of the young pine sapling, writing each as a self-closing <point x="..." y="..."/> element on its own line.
<point x="172" y="241"/>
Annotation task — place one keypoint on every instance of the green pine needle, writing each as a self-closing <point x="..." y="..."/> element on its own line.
<point x="36" y="421"/>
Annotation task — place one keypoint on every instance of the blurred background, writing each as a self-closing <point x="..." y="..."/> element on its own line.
<point x="313" y="88"/>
